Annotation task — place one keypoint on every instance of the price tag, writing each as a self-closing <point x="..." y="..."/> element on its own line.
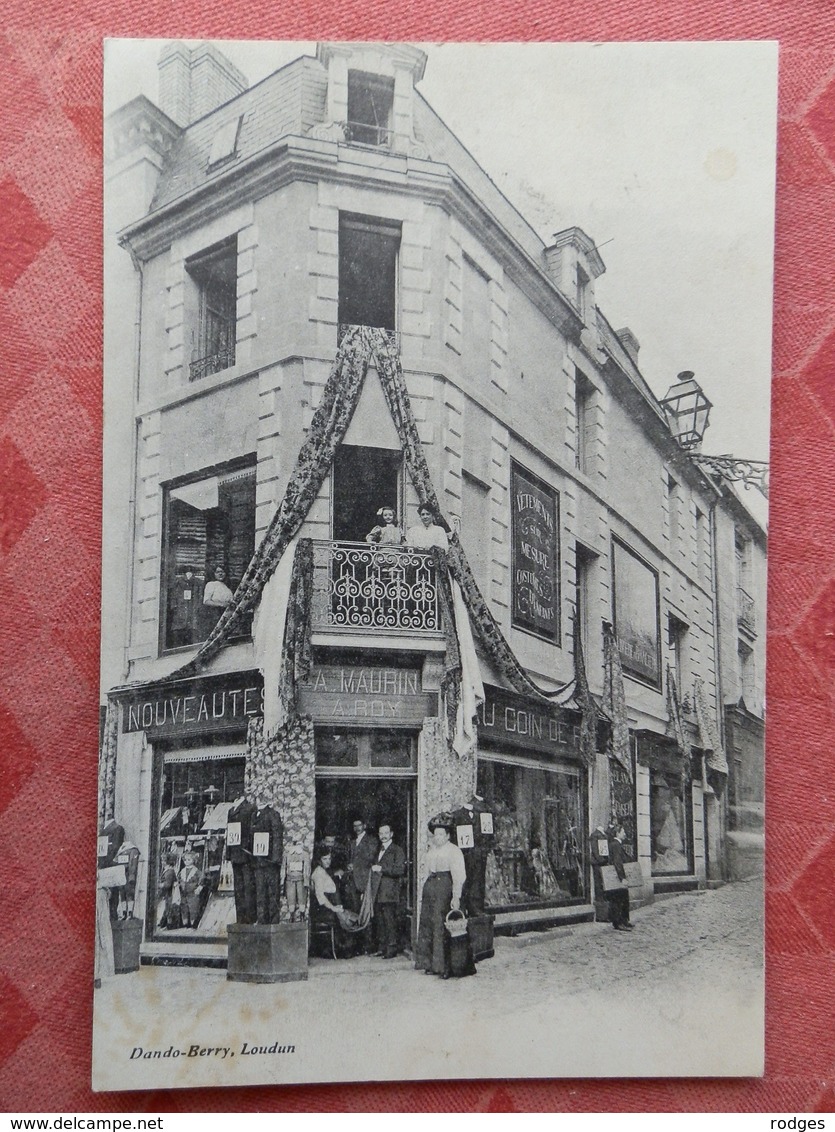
<point x="186" y="595"/>
<point x="603" y="847"/>
<point x="261" y="845"/>
<point x="233" y="833"/>
<point x="104" y="846"/>
<point x="464" y="836"/>
<point x="486" y="824"/>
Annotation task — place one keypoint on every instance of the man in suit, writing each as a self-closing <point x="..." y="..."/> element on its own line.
<point x="607" y="849"/>
<point x="362" y="855"/>
<point x="388" y="872"/>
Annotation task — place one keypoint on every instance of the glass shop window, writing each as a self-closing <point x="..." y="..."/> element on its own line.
<point x="209" y="541"/>
<point x="194" y="888"/>
<point x="381" y="749"/>
<point x="215" y="275"/>
<point x="539" y="852"/>
<point x="671" y="823"/>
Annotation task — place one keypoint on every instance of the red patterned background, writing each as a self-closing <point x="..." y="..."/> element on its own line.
<point x="50" y="452"/>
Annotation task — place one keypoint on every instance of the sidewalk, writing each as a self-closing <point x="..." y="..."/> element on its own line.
<point x="664" y="995"/>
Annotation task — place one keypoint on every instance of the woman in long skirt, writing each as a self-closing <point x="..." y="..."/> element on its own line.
<point x="441" y="892"/>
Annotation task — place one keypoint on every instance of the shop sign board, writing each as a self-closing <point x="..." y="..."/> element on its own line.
<point x="636" y="614"/>
<point x="623" y="806"/>
<point x="367" y="695"/>
<point x="210" y="703"/>
<point x="535" y="554"/>
<point x="513" y="722"/>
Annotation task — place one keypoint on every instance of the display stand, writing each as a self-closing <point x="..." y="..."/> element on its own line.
<point x="127" y="937"/>
<point x="267" y="953"/>
<point x="481" y="936"/>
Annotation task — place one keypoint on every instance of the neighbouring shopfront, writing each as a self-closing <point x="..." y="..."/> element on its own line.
<point x="671" y="807"/>
<point x="531" y="777"/>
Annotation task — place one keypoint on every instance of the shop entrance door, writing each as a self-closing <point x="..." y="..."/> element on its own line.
<point x="378" y="801"/>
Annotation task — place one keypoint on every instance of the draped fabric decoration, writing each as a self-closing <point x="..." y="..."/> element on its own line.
<point x="359" y="347"/>
<point x="676" y="723"/>
<point x="451" y="681"/>
<point x="268" y="629"/>
<point x="614" y="699"/>
<point x="715" y="762"/>
<point x="107" y="763"/>
<point x="472" y="686"/>
<point x="296" y="650"/>
<point x="589" y="715"/>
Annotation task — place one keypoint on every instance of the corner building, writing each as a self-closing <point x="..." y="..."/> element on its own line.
<point x="272" y="243"/>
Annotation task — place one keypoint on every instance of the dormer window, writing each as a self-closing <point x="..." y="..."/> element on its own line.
<point x="370" y="104"/>
<point x="225" y="142"/>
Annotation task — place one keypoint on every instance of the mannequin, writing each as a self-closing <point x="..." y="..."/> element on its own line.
<point x="239" y="854"/>
<point x="295" y="876"/>
<point x="267" y="852"/>
<point x="111" y="836"/>
<point x="183" y="606"/>
<point x="473" y="828"/>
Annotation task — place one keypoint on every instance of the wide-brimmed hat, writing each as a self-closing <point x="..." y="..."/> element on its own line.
<point x="442" y="820"/>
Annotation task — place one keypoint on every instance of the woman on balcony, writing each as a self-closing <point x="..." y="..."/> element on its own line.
<point x="387" y="532"/>
<point x="428" y="532"/>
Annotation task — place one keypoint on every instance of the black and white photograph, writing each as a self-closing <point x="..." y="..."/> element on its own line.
<point x="436" y="441"/>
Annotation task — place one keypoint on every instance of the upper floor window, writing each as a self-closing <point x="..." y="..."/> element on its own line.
<point x="370" y="103"/>
<point x="225" y="142"/>
<point x="368" y="255"/>
<point x="674" y="509"/>
<point x="585" y="564"/>
<point x="209" y="539"/>
<point x="584" y="421"/>
<point x="677" y="651"/>
<point x="215" y="275"/>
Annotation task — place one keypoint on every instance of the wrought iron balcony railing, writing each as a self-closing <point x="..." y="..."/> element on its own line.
<point x="212" y="363"/>
<point x="361" y="587"/>
<point x="746" y="610"/>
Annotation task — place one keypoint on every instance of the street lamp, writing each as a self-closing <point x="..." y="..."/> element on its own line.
<point x="687" y="411"/>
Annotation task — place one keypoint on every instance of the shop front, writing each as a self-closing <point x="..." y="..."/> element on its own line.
<point x="675" y="810"/>
<point x="531" y="777"/>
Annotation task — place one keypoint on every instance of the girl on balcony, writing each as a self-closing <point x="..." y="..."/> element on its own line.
<point x="387" y="532"/>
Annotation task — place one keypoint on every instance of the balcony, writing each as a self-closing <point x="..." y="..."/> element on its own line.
<point x="358" y="588"/>
<point x="212" y="363"/>
<point x="746" y="611"/>
<point x="366" y="133"/>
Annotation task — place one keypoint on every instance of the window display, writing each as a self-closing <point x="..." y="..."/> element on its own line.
<point x="671" y="823"/>
<point x="210" y="539"/>
<point x="538" y="855"/>
<point x="194" y="875"/>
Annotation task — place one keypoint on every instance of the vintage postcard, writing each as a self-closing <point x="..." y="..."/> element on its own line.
<point x="435" y="522"/>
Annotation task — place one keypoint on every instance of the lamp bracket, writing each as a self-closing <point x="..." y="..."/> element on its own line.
<point x="750" y="473"/>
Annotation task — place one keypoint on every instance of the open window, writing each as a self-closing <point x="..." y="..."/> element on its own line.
<point x="209" y="541"/>
<point x="215" y="275"/>
<point x="364" y="480"/>
<point x="368" y="254"/>
<point x="370" y="103"/>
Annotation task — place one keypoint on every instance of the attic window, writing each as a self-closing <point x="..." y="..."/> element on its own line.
<point x="370" y="102"/>
<point x="225" y="142"/>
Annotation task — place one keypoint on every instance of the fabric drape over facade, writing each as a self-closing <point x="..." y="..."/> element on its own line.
<point x="716" y="764"/>
<point x="268" y="627"/>
<point x="614" y="699"/>
<point x="472" y="686"/>
<point x="107" y="763"/>
<point x="676" y="723"/>
<point x="589" y="715"/>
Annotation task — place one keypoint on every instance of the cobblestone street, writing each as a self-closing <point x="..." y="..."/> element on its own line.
<point x="682" y="994"/>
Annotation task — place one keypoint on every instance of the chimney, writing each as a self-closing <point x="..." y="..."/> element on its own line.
<point x="195" y="81"/>
<point x="629" y="342"/>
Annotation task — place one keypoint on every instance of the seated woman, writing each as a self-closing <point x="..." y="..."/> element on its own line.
<point x="387" y="532"/>
<point x="326" y="902"/>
